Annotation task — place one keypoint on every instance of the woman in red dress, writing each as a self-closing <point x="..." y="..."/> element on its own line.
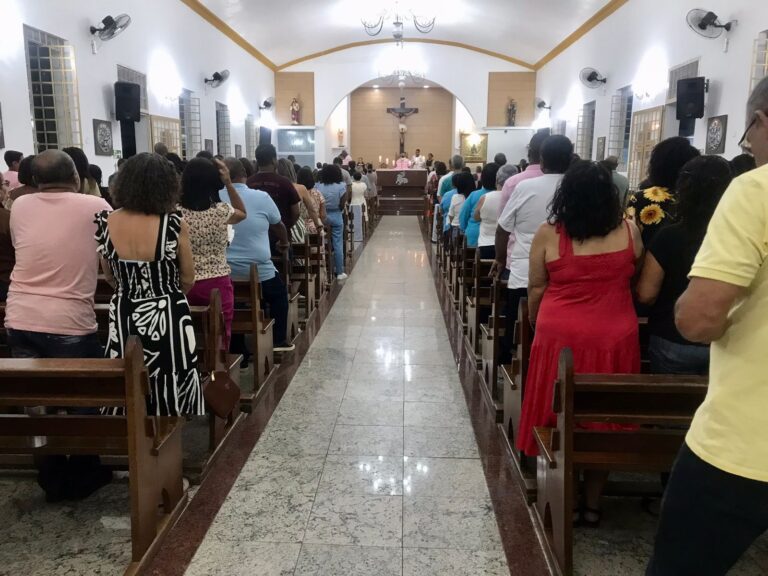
<point x="582" y="263"/>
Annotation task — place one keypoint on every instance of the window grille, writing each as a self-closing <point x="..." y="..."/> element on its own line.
<point x="585" y="131"/>
<point x="223" y="130"/>
<point x="191" y="131"/>
<point x="558" y="127"/>
<point x="759" y="60"/>
<point x="688" y="70"/>
<point x="251" y="137"/>
<point x="621" y="122"/>
<point x="646" y="132"/>
<point x="125" y="74"/>
<point x="167" y="131"/>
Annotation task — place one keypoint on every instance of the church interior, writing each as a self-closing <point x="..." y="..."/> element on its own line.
<point x="343" y="288"/>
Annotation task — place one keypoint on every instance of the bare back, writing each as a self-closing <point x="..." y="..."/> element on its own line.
<point x="614" y="241"/>
<point x="134" y="235"/>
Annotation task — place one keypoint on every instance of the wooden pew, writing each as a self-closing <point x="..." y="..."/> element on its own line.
<point x="663" y="407"/>
<point x="306" y="272"/>
<point x="152" y="444"/>
<point x="478" y="307"/>
<point x="491" y="334"/>
<point x="253" y="322"/>
<point x="285" y="270"/>
<point x="465" y="281"/>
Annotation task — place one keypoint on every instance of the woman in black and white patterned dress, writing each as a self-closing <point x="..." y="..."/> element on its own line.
<point x="147" y="256"/>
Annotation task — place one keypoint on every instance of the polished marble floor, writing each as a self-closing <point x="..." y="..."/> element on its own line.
<point x="369" y="464"/>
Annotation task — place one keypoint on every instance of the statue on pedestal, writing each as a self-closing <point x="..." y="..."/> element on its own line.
<point x="295" y="112"/>
<point x="340" y="136"/>
<point x="511" y="112"/>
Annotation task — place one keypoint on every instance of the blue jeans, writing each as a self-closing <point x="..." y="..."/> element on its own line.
<point x="708" y="519"/>
<point x="673" y="358"/>
<point x="336" y="221"/>
<point x="27" y="344"/>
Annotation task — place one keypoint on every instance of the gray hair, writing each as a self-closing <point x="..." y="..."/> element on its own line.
<point x="457" y="162"/>
<point x="236" y="168"/>
<point x="759" y="99"/>
<point x="505" y="173"/>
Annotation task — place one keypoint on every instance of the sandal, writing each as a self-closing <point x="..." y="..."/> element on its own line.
<point x="589" y="518"/>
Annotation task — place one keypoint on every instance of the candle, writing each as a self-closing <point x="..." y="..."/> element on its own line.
<point x="387" y="161"/>
<point x="379" y="158"/>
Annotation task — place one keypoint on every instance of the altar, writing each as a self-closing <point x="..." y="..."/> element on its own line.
<point x="402" y="191"/>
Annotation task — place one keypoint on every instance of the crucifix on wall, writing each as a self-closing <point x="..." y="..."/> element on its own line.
<point x="401" y="113"/>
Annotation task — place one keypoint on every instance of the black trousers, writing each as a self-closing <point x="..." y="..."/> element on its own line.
<point x="514" y="295"/>
<point x="708" y="519"/>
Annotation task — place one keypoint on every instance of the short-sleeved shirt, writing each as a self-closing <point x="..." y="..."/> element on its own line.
<point x="7" y="253"/>
<point x="251" y="242"/>
<point x="674" y="251"/>
<point x="54" y="279"/>
<point x="209" y="237"/>
<point x="531" y="171"/>
<point x="729" y="429"/>
<point x="526" y="210"/>
<point x="280" y="189"/>
<point x="333" y="194"/>
<point x="445" y="184"/>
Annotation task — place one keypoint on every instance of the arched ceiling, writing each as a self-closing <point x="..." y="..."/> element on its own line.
<point x="527" y="32"/>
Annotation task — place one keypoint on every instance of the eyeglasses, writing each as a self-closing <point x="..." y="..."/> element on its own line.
<point x="744" y="142"/>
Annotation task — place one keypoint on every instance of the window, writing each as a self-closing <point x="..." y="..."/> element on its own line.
<point x="558" y="127"/>
<point x="251" y="137"/>
<point x="621" y="122"/>
<point x="298" y="142"/>
<point x="646" y="131"/>
<point x="54" y="101"/>
<point x="191" y="132"/>
<point x="760" y="59"/>
<point x="585" y="131"/>
<point x="223" y="133"/>
<point x="688" y="70"/>
<point x="167" y="131"/>
<point x="125" y="74"/>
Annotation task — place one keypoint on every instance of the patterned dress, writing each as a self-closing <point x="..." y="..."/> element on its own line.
<point x="148" y="303"/>
<point x="651" y="209"/>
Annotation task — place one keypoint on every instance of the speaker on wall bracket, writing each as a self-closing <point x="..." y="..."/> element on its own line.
<point x="128" y="112"/>
<point x="690" y="103"/>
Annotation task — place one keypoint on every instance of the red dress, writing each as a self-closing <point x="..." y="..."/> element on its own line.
<point x="587" y="307"/>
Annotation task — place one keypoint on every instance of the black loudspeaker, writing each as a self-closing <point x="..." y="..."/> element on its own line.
<point x="127" y="101"/>
<point x="265" y="135"/>
<point x="690" y="98"/>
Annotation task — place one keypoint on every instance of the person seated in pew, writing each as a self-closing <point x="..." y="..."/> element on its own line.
<point x="146" y="254"/>
<point x="209" y="219"/>
<point x="668" y="260"/>
<point x="487" y="213"/>
<point x="582" y="262"/>
<point x="467" y="222"/>
<point x="716" y="502"/>
<point x="49" y="312"/>
<point x="251" y="246"/>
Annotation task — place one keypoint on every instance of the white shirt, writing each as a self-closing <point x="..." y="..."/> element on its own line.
<point x="526" y="210"/>
<point x="457" y="200"/>
<point x="442" y="179"/>
<point x="358" y="193"/>
<point x="419" y="162"/>
<point x="489" y="216"/>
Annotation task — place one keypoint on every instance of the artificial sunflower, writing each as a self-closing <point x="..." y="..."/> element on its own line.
<point x="657" y="194"/>
<point x="630" y="212"/>
<point x="651" y="214"/>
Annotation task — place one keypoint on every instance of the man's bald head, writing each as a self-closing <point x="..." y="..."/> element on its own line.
<point x="55" y="169"/>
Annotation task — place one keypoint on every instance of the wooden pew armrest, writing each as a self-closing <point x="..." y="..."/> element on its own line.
<point x="268" y="326"/>
<point x="544" y="438"/>
<point x="165" y="429"/>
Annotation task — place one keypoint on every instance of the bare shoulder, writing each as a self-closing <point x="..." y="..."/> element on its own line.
<point x="547" y="231"/>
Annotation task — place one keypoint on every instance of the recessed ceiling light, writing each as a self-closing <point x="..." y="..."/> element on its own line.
<point x="376" y="86"/>
<point x="426" y="85"/>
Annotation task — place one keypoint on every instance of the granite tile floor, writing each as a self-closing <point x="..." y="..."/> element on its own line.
<point x="369" y="465"/>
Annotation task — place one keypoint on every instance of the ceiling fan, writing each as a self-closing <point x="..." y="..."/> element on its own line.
<point x="217" y="79"/>
<point x="110" y="27"/>
<point x="706" y="23"/>
<point x="591" y="78"/>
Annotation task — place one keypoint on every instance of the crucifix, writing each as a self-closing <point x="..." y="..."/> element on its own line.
<point x="401" y="114"/>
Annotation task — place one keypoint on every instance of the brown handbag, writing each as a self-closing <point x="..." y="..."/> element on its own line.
<point x="221" y="393"/>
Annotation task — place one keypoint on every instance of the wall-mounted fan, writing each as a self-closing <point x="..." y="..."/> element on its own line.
<point x="591" y="78"/>
<point x="267" y="104"/>
<point x="217" y="79"/>
<point x="541" y="105"/>
<point x="705" y="23"/>
<point x="110" y="27"/>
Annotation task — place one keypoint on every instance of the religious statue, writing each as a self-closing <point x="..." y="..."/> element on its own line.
<point x="511" y="112"/>
<point x="295" y="112"/>
<point x="340" y="136"/>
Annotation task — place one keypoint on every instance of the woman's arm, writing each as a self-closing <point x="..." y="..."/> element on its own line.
<point x="306" y="197"/>
<point x="476" y="214"/>
<point x="538" y="277"/>
<point x="236" y="202"/>
<point x="651" y="279"/>
<point x="106" y="269"/>
<point x="186" y="259"/>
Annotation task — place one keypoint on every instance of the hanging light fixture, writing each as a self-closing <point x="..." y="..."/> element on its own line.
<point x="422" y="25"/>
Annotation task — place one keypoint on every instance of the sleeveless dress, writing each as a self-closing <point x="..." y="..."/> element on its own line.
<point x="587" y="307"/>
<point x="148" y="303"/>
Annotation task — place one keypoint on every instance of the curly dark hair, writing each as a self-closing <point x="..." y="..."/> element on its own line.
<point x="200" y="185"/>
<point x="667" y="158"/>
<point x="464" y="183"/>
<point x="586" y="203"/>
<point x="440" y="168"/>
<point x="147" y="183"/>
<point x="330" y="174"/>
<point x="700" y="186"/>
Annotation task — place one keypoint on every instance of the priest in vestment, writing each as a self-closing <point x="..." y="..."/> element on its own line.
<point x="403" y="163"/>
<point x="419" y="162"/>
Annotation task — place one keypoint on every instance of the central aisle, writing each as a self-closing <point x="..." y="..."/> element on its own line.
<point x="369" y="465"/>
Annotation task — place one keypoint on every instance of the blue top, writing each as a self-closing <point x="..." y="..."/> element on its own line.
<point x="467" y="223"/>
<point x="251" y="242"/>
<point x="445" y="204"/>
<point x="333" y="194"/>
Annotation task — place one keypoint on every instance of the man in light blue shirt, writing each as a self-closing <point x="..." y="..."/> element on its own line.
<point x="251" y="246"/>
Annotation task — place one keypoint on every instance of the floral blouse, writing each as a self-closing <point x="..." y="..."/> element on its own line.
<point x="209" y="236"/>
<point x="651" y="209"/>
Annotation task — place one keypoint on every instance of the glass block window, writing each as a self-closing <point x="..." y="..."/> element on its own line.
<point x="558" y="127"/>
<point x="167" y="131"/>
<point x="300" y="143"/>
<point x="621" y="122"/>
<point x="251" y="137"/>
<point x="191" y="130"/>
<point x="760" y="59"/>
<point x="647" y="130"/>
<point x="125" y="74"/>
<point x="585" y="131"/>
<point x="688" y="70"/>
<point x="54" y="100"/>
<point x="223" y="130"/>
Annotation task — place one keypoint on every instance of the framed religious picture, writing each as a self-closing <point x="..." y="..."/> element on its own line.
<point x="238" y="151"/>
<point x="474" y="147"/>
<point x="600" y="149"/>
<point x="209" y="145"/>
<point x="716" y="130"/>
<point x="102" y="138"/>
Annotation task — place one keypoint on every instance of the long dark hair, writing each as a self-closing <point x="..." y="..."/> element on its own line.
<point x="147" y="183"/>
<point x="200" y="185"/>
<point x="667" y="159"/>
<point x="586" y="203"/>
<point x="700" y="186"/>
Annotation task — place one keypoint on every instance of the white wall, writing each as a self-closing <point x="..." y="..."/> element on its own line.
<point x="166" y="41"/>
<point x="327" y="138"/>
<point x="619" y="44"/>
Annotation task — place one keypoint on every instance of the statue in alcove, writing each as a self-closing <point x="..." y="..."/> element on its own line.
<point x="511" y="112"/>
<point x="295" y="112"/>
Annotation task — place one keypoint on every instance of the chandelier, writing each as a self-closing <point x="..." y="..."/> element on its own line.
<point x="423" y="25"/>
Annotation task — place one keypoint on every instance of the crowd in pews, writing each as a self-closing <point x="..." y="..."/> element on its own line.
<point x="644" y="322"/>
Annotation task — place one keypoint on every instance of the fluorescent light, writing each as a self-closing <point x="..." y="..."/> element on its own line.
<point x="376" y="86"/>
<point x="426" y="85"/>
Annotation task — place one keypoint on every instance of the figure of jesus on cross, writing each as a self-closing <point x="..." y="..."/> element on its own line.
<point x="401" y="114"/>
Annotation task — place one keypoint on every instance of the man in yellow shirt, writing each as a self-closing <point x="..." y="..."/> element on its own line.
<point x="716" y="503"/>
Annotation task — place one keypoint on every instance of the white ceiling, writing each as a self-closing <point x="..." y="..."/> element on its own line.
<point x="290" y="29"/>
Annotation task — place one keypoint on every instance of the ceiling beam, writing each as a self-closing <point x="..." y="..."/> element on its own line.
<point x="229" y="32"/>
<point x="580" y="32"/>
